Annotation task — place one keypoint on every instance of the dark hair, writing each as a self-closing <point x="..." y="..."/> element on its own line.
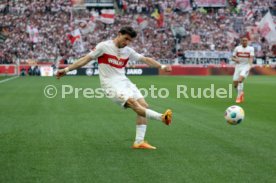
<point x="128" y="30"/>
<point x="244" y="36"/>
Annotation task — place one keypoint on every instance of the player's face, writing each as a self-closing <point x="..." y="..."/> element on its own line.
<point x="124" y="40"/>
<point x="244" y="42"/>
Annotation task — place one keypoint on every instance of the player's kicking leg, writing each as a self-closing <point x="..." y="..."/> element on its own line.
<point x="166" y="117"/>
<point x="240" y="96"/>
<point x="238" y="78"/>
<point x="141" y="108"/>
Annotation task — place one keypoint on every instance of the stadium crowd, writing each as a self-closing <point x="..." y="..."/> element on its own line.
<point x="39" y="29"/>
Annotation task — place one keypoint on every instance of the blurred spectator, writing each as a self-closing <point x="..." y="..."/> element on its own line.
<point x="39" y="29"/>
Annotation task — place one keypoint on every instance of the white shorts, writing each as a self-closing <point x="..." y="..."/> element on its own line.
<point x="119" y="91"/>
<point x="241" y="70"/>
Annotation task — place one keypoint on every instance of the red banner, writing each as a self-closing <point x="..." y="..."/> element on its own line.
<point x="7" y="69"/>
<point x="195" y="38"/>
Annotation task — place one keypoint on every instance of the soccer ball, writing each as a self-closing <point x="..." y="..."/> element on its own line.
<point x="234" y="115"/>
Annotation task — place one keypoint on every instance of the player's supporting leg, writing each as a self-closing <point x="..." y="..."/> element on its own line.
<point x="141" y="108"/>
<point x="141" y="127"/>
<point x="141" y="123"/>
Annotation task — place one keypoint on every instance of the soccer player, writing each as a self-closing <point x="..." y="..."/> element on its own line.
<point x="112" y="56"/>
<point x="243" y="56"/>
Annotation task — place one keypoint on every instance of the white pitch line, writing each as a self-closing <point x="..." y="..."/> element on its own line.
<point x="8" y="79"/>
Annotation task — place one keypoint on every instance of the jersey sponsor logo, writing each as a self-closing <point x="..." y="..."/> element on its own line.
<point x="112" y="61"/>
<point x="243" y="54"/>
<point x="116" y="62"/>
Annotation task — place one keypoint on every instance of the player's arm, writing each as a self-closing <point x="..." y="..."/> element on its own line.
<point x="251" y="56"/>
<point x="95" y="53"/>
<point x="153" y="63"/>
<point x="235" y="58"/>
<point x="79" y="63"/>
<point x="251" y="60"/>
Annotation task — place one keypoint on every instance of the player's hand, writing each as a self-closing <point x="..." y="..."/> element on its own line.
<point x="167" y="68"/>
<point x="236" y="60"/>
<point x="60" y="73"/>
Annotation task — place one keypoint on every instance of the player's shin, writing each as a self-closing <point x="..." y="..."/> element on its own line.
<point x="140" y="133"/>
<point x="150" y="114"/>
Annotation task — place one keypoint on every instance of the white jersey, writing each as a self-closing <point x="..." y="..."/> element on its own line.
<point x="243" y="54"/>
<point x="112" y="60"/>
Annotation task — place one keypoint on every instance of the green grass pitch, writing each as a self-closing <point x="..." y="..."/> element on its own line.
<point x="88" y="140"/>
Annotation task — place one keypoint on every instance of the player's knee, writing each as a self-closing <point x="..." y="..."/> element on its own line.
<point x="241" y="79"/>
<point x="132" y="103"/>
<point x="144" y="104"/>
<point x="135" y="106"/>
<point x="235" y="83"/>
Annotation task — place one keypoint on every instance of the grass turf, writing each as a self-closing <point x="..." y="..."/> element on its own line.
<point x="4" y="77"/>
<point x="88" y="140"/>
